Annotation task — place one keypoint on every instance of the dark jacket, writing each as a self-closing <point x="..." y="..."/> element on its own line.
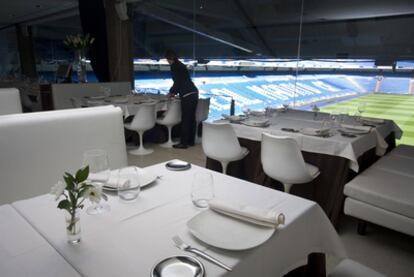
<point x="182" y="81"/>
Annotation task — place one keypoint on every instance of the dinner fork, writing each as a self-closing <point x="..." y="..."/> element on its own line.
<point x="183" y="246"/>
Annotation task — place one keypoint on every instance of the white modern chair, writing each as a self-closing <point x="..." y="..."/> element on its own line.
<point x="283" y="161"/>
<point x="143" y="120"/>
<point x="220" y="143"/>
<point x="172" y="117"/>
<point x="203" y="107"/>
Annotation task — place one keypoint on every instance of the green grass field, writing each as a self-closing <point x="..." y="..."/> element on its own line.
<point x="399" y="108"/>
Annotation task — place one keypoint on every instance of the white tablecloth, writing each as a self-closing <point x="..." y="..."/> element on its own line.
<point x="336" y="145"/>
<point x="129" y="103"/>
<point x="130" y="239"/>
<point x="23" y="252"/>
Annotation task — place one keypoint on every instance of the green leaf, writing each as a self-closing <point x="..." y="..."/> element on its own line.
<point x="69" y="180"/>
<point x="82" y="174"/>
<point x="64" y="204"/>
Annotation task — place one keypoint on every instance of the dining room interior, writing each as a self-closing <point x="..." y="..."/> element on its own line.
<point x="283" y="145"/>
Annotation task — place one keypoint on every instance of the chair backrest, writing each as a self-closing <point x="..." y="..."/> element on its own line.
<point x="10" y="102"/>
<point x="203" y="107"/>
<point x="220" y="142"/>
<point x="282" y="159"/>
<point x="37" y="148"/>
<point x="145" y="117"/>
<point x="173" y="113"/>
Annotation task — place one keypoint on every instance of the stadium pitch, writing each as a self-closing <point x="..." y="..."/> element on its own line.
<point x="398" y="108"/>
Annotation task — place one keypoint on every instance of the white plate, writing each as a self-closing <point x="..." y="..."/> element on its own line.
<point x="98" y="97"/>
<point x="178" y="266"/>
<point x="145" y="178"/>
<point x="227" y="232"/>
<point x="353" y="131"/>
<point x="256" y="123"/>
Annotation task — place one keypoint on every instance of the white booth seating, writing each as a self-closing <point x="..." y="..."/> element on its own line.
<point x="62" y="93"/>
<point x="384" y="193"/>
<point x="10" y="102"/>
<point x="37" y="148"/>
<point x="24" y="252"/>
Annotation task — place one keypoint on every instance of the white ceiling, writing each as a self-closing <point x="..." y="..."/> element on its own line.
<point x="16" y="11"/>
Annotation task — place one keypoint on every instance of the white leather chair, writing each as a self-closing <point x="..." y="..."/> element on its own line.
<point x="350" y="268"/>
<point x="171" y="118"/>
<point x="38" y="148"/>
<point x="220" y="143"/>
<point x="143" y="120"/>
<point x="10" y="102"/>
<point x="282" y="160"/>
<point x="203" y="107"/>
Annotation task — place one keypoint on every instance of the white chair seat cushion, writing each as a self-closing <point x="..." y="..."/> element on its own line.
<point x="403" y="150"/>
<point x="388" y="190"/>
<point x="243" y="152"/>
<point x="313" y="170"/>
<point x="350" y="268"/>
<point x="396" y="164"/>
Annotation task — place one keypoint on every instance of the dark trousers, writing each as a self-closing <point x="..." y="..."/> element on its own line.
<point x="188" y="122"/>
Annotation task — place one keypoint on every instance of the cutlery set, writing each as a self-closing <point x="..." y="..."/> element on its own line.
<point x="183" y="246"/>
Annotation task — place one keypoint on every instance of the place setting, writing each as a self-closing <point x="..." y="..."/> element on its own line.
<point x="221" y="223"/>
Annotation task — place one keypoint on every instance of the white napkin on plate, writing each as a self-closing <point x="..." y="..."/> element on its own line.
<point x="315" y="131"/>
<point x="268" y="218"/>
<point x="113" y="182"/>
<point x="117" y="183"/>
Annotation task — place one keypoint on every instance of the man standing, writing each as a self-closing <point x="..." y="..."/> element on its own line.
<point x="188" y="92"/>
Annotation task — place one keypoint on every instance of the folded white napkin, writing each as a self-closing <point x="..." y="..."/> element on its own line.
<point x="113" y="182"/>
<point x="373" y="120"/>
<point x="365" y="129"/>
<point x="315" y="131"/>
<point x="117" y="183"/>
<point x="268" y="218"/>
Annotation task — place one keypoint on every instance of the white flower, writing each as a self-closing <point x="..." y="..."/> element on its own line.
<point x="94" y="194"/>
<point x="58" y="189"/>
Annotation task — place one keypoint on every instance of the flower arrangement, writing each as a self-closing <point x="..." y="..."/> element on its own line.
<point x="74" y="192"/>
<point x="78" y="42"/>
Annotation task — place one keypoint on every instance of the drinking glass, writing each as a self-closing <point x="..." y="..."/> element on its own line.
<point x="128" y="184"/>
<point x="99" y="173"/>
<point x="202" y="190"/>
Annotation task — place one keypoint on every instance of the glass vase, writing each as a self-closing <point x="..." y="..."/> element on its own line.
<point x="73" y="227"/>
<point x="80" y="66"/>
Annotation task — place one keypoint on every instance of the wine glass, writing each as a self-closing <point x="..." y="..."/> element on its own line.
<point x="99" y="173"/>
